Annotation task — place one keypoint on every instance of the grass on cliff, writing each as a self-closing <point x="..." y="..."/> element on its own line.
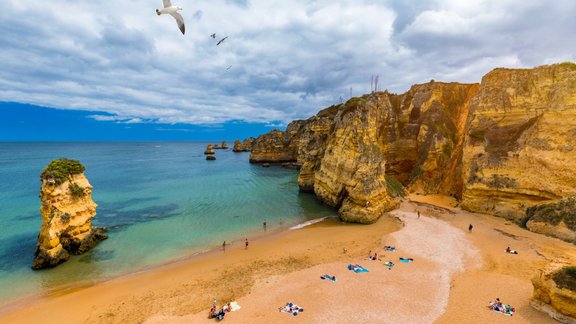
<point x="554" y="213"/>
<point x="566" y="278"/>
<point x="395" y="188"/>
<point x="75" y="190"/>
<point x="61" y="170"/>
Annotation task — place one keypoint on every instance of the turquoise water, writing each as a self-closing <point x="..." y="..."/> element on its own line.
<point x="161" y="201"/>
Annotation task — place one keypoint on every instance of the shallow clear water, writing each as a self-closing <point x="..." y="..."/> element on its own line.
<point x="161" y="201"/>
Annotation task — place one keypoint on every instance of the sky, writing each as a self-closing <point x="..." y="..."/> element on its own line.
<point x="115" y="67"/>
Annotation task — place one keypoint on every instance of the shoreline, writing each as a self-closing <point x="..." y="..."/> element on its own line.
<point x="254" y="236"/>
<point x="283" y="266"/>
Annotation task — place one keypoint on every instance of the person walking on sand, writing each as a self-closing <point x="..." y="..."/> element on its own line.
<point x="224" y="246"/>
<point x="418" y="214"/>
<point x="246" y="244"/>
<point x="264" y="224"/>
<point x="470" y="228"/>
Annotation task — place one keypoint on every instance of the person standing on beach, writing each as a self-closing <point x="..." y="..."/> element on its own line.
<point x="224" y="246"/>
<point x="418" y="214"/>
<point x="470" y="228"/>
<point x="246" y="244"/>
<point x="264" y="224"/>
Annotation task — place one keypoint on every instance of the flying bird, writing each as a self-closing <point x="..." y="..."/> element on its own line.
<point x="213" y="35"/>
<point x="221" y="41"/>
<point x="228" y="68"/>
<point x="172" y="11"/>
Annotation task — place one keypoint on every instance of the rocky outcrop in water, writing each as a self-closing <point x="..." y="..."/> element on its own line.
<point x="555" y="292"/>
<point x="224" y="145"/>
<point x="67" y="211"/>
<point x="500" y="146"/>
<point x="244" y="146"/>
<point x="209" y="150"/>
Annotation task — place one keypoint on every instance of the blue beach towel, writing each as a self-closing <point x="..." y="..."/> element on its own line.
<point x="357" y="269"/>
<point x="406" y="260"/>
<point x="389" y="264"/>
<point x="390" y="248"/>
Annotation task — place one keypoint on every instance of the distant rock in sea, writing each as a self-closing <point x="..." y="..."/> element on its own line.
<point x="224" y="145"/>
<point x="209" y="150"/>
<point x="498" y="147"/>
<point x="210" y="157"/>
<point x="67" y="209"/>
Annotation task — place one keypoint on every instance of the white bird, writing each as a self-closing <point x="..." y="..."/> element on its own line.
<point x="172" y="11"/>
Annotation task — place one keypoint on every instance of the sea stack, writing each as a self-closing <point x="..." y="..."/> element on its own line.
<point x="224" y="145"/>
<point x="67" y="210"/>
<point x="209" y="150"/>
<point x="238" y="147"/>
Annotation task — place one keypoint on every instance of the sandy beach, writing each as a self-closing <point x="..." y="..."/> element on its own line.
<point x="454" y="275"/>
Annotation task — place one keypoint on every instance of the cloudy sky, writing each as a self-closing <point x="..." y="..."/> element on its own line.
<point x="122" y="64"/>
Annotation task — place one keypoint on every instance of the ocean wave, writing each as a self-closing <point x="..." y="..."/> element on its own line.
<point x="310" y="222"/>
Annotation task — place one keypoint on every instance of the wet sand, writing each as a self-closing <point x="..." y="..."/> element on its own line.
<point x="454" y="275"/>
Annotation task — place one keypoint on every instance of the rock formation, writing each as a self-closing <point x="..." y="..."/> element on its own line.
<point x="247" y="144"/>
<point x="67" y="210"/>
<point x="554" y="219"/>
<point x="209" y="150"/>
<point x="555" y="292"/>
<point x="475" y="142"/>
<point x="216" y="147"/>
<point x="224" y="145"/>
<point x="521" y="136"/>
<point x="238" y="147"/>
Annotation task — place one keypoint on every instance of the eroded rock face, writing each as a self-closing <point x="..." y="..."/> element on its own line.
<point x="500" y="147"/>
<point x="555" y="292"/>
<point x="67" y="210"/>
<point x="224" y="145"/>
<point x="520" y="146"/>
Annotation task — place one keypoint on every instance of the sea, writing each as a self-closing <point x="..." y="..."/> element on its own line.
<point x="162" y="202"/>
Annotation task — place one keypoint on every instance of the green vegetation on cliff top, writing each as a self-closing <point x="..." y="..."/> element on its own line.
<point x="566" y="278"/>
<point x="60" y="170"/>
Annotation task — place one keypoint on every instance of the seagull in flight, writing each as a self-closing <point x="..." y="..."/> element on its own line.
<point x="172" y="11"/>
<point x="228" y="68"/>
<point x="221" y="41"/>
<point x="213" y="35"/>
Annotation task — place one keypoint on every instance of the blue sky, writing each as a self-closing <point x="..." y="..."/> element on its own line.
<point x="115" y="70"/>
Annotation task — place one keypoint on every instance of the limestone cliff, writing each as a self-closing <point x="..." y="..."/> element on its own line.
<point x="67" y="210"/>
<point x="245" y="146"/>
<point x="520" y="145"/>
<point x="555" y="292"/>
<point x="500" y="146"/>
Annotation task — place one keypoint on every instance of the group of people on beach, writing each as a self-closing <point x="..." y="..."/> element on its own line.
<point x="498" y="306"/>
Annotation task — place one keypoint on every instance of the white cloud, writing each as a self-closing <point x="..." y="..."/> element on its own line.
<point x="289" y="59"/>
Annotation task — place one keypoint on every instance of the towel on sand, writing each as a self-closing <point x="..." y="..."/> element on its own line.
<point x="503" y="309"/>
<point x="389" y="264"/>
<point x="234" y="306"/>
<point x="357" y="268"/>
<point x="328" y="278"/>
<point x="406" y="260"/>
<point x="291" y="308"/>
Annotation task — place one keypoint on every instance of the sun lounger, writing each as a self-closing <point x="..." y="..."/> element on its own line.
<point x="357" y="268"/>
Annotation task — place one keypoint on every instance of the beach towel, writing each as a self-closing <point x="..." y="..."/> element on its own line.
<point x="357" y="269"/>
<point x="503" y="309"/>
<point x="406" y="260"/>
<point x="291" y="308"/>
<point x="234" y="306"/>
<point x="390" y="248"/>
<point x="511" y="251"/>
<point x="389" y="264"/>
<point x="328" y="278"/>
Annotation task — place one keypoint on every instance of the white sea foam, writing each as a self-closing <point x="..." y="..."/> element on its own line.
<point x="310" y="222"/>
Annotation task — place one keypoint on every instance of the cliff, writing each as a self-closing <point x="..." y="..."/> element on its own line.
<point x="520" y="151"/>
<point x="500" y="146"/>
<point x="555" y="292"/>
<point x="553" y="219"/>
<point x="67" y="210"/>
